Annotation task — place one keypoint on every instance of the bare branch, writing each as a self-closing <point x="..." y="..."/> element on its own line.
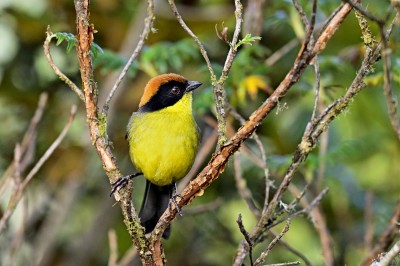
<point x="51" y="149"/>
<point x="219" y="160"/>
<point x="113" y="245"/>
<point x="16" y="197"/>
<point x="98" y="133"/>
<point x="284" y="263"/>
<point x="27" y="144"/>
<point x="358" y="7"/>
<point x="271" y="245"/>
<point x="306" y="210"/>
<point x="278" y="54"/>
<point x="146" y="30"/>
<point x="368" y="217"/>
<point x="129" y="256"/>
<point x="388" y="236"/>
<point x="59" y="73"/>
<point x="241" y="186"/>
<point x="195" y="38"/>
<point x="387" y="85"/>
<point x="204" y="208"/>
<point x="387" y="259"/>
<point x="246" y="237"/>
<point x="218" y="85"/>
<point x="293" y="250"/>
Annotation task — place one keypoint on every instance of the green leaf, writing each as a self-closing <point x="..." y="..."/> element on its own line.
<point x="65" y="36"/>
<point x="95" y="49"/>
<point x="248" y="39"/>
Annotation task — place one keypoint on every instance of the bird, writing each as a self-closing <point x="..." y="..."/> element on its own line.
<point x="163" y="139"/>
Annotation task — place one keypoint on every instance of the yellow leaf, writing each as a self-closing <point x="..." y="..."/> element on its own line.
<point x="252" y="84"/>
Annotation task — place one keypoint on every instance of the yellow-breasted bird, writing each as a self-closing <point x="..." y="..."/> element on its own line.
<point x="163" y="140"/>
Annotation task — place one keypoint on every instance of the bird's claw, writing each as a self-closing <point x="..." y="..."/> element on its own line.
<point x="173" y="199"/>
<point x="122" y="182"/>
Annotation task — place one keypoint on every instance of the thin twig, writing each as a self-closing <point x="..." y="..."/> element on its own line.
<point x="246" y="237"/>
<point x="271" y="245"/>
<point x="16" y="197"/>
<point x="264" y="166"/>
<point x="241" y="186"/>
<point x="219" y="160"/>
<point x="27" y="144"/>
<point x="368" y="217"/>
<point x="317" y="88"/>
<point x="129" y="256"/>
<point x="278" y="54"/>
<point x="145" y="33"/>
<point x="387" y="237"/>
<point x="218" y="85"/>
<point x="293" y="250"/>
<point x="57" y="71"/>
<point x="285" y="263"/>
<point x="357" y="6"/>
<point x="51" y="149"/>
<point x="390" y="256"/>
<point x="387" y="86"/>
<point x="113" y="245"/>
<point x="195" y="38"/>
<point x="205" y="208"/>
<point x="306" y="210"/>
<point x="301" y="12"/>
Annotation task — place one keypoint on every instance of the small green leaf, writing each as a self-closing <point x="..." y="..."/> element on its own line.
<point x="248" y="39"/>
<point x="69" y="37"/>
<point x="70" y="45"/>
<point x="95" y="49"/>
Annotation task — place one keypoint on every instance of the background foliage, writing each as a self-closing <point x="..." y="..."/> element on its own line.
<point x="69" y="210"/>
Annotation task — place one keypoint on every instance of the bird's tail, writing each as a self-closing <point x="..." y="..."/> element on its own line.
<point x="155" y="202"/>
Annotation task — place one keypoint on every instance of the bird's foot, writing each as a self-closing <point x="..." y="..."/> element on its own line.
<point x="173" y="199"/>
<point x="122" y="182"/>
<point x="175" y="195"/>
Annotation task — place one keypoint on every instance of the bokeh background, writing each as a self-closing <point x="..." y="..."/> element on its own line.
<point x="68" y="213"/>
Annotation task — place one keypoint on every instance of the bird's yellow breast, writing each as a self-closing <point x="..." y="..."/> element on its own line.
<point x="163" y="144"/>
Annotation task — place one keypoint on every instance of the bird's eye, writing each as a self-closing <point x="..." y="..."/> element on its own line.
<point x="175" y="90"/>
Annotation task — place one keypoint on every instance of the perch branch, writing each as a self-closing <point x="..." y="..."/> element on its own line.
<point x="219" y="160"/>
<point x="98" y="133"/>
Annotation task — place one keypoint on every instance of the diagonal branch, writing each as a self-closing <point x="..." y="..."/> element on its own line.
<point x="218" y="84"/>
<point x="17" y="195"/>
<point x="219" y="160"/>
<point x="146" y="30"/>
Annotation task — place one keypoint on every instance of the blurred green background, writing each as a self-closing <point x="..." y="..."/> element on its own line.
<point x="69" y="211"/>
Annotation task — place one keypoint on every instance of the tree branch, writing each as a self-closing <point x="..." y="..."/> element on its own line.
<point x="219" y="160"/>
<point x="98" y="134"/>
<point x="59" y="73"/>
<point x="148" y="24"/>
<point x="17" y="195"/>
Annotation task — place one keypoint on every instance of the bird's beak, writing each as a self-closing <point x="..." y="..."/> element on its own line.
<point x="192" y="85"/>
